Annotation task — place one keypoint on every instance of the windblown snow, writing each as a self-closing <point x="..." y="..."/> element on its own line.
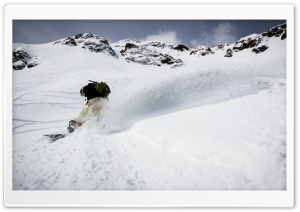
<point x="214" y="123"/>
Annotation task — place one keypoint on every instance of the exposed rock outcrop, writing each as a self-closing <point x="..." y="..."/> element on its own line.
<point x="21" y="59"/>
<point x="229" y="53"/>
<point x="201" y="51"/>
<point x="276" y="31"/>
<point x="92" y="42"/>
<point x="247" y="42"/>
<point x="181" y="47"/>
<point x="146" y="55"/>
<point x="260" y="49"/>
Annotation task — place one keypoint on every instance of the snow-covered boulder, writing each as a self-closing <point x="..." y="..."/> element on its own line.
<point x="169" y="60"/>
<point x="19" y="65"/>
<point x="99" y="47"/>
<point x="229" y="53"/>
<point x="201" y="51"/>
<point x="260" y="49"/>
<point x="220" y="47"/>
<point x="33" y="64"/>
<point x="181" y="47"/>
<point x="70" y="41"/>
<point x="20" y="59"/>
<point x="247" y="42"/>
<point x="89" y="41"/>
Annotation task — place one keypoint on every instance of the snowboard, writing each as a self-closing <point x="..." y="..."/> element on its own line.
<point x="54" y="137"/>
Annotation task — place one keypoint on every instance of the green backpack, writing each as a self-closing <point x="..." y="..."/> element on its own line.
<point x="102" y="88"/>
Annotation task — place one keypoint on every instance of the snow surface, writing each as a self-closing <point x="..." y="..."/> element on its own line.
<point x="214" y="123"/>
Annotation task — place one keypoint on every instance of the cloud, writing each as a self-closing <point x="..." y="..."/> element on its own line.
<point x="224" y="33"/>
<point x="168" y="37"/>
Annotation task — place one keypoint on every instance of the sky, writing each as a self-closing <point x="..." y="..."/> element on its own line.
<point x="188" y="32"/>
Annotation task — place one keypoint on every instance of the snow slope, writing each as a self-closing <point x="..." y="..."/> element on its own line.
<point x="213" y="123"/>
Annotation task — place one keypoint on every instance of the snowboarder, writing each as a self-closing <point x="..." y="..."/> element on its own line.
<point x="97" y="98"/>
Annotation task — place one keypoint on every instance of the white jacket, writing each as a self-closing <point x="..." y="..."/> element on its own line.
<point x="94" y="107"/>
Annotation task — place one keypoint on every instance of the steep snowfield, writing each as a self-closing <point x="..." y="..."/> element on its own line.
<point x="213" y="123"/>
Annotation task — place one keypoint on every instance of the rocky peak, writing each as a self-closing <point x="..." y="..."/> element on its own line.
<point x="92" y="42"/>
<point x="257" y="41"/>
<point x="276" y="31"/>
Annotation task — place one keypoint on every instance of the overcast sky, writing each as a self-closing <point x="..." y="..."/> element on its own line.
<point x="189" y="32"/>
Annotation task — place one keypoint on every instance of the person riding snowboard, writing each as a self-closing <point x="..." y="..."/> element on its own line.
<point x="97" y="98"/>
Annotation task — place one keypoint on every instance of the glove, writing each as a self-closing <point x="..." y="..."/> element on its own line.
<point x="71" y="126"/>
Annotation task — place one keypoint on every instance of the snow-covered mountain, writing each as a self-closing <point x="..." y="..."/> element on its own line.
<point x="153" y="52"/>
<point x="215" y="121"/>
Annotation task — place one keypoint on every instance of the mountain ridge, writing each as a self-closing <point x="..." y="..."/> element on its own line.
<point x="152" y="52"/>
